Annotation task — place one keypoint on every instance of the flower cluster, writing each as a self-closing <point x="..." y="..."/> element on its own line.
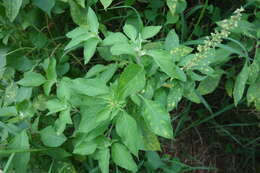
<point x="215" y="38"/>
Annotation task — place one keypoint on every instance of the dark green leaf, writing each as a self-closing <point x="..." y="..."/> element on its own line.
<point x="45" y="5"/>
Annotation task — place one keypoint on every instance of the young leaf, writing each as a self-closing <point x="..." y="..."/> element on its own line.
<point x="240" y="84"/>
<point x="150" y="31"/>
<point x="106" y="3"/>
<point x="124" y="48"/>
<point x="92" y="21"/>
<point x="20" y="160"/>
<point x="157" y="118"/>
<point x="31" y="79"/>
<point x="122" y="157"/>
<point x="89" y="48"/>
<point x="130" y="31"/>
<point x="131" y="81"/>
<point x="129" y="137"/>
<point x="12" y="8"/>
<point x="50" y="138"/>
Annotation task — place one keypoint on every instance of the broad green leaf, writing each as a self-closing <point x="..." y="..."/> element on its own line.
<point x="55" y="105"/>
<point x="90" y="87"/>
<point x="76" y="40"/>
<point x="131" y="81"/>
<point x="209" y="84"/>
<point x="124" y="48"/>
<point x="79" y="15"/>
<point x="106" y="3"/>
<point x="172" y="4"/>
<point x="129" y="137"/>
<point x="50" y="138"/>
<point x="157" y="118"/>
<point x="95" y="70"/>
<point x="130" y="31"/>
<point x="122" y="157"/>
<point x="92" y="21"/>
<point x="85" y="148"/>
<point x="63" y="89"/>
<point x="171" y="41"/>
<point x="21" y="160"/>
<point x="45" y="5"/>
<point x="12" y="8"/>
<point x="254" y="70"/>
<point x="150" y="31"/>
<point x="89" y="48"/>
<point x="114" y="38"/>
<point x="174" y="96"/>
<point x="50" y="75"/>
<point x="165" y="61"/>
<point x="32" y="79"/>
<point x="240" y="84"/>
<point x="103" y="157"/>
<point x="108" y="74"/>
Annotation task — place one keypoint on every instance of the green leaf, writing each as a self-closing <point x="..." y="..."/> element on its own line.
<point x="50" y="138"/>
<point x="45" y="5"/>
<point x="12" y="8"/>
<point x="64" y="118"/>
<point x="50" y="75"/>
<point x="92" y="21"/>
<point x="131" y="81"/>
<point x="103" y="156"/>
<point x="165" y="61"/>
<point x="78" y="14"/>
<point x="55" y="105"/>
<point x="130" y="31"/>
<point x="157" y="118"/>
<point x="85" y="148"/>
<point x="174" y="96"/>
<point x="77" y="38"/>
<point x="90" y="87"/>
<point x="253" y="94"/>
<point x="21" y="160"/>
<point x="172" y="4"/>
<point x="114" y="38"/>
<point x="150" y="31"/>
<point x="89" y="48"/>
<point x="32" y="79"/>
<point x="124" y="48"/>
<point x="240" y="84"/>
<point x="209" y="84"/>
<point x="129" y="137"/>
<point x="171" y="41"/>
<point x="122" y="157"/>
<point x="106" y="3"/>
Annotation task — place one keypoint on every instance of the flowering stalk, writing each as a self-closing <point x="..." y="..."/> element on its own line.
<point x="215" y="38"/>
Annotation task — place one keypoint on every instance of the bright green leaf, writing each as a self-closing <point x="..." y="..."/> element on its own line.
<point x="45" y="5"/>
<point x="150" y="31"/>
<point x="131" y="80"/>
<point x="50" y="75"/>
<point x="130" y="31"/>
<point x="89" y="48"/>
<point x="92" y="21"/>
<point x="31" y="79"/>
<point x="106" y="3"/>
<point x="129" y="137"/>
<point x="122" y="157"/>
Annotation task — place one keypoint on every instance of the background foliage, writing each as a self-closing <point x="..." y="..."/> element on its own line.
<point x="129" y="86"/>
